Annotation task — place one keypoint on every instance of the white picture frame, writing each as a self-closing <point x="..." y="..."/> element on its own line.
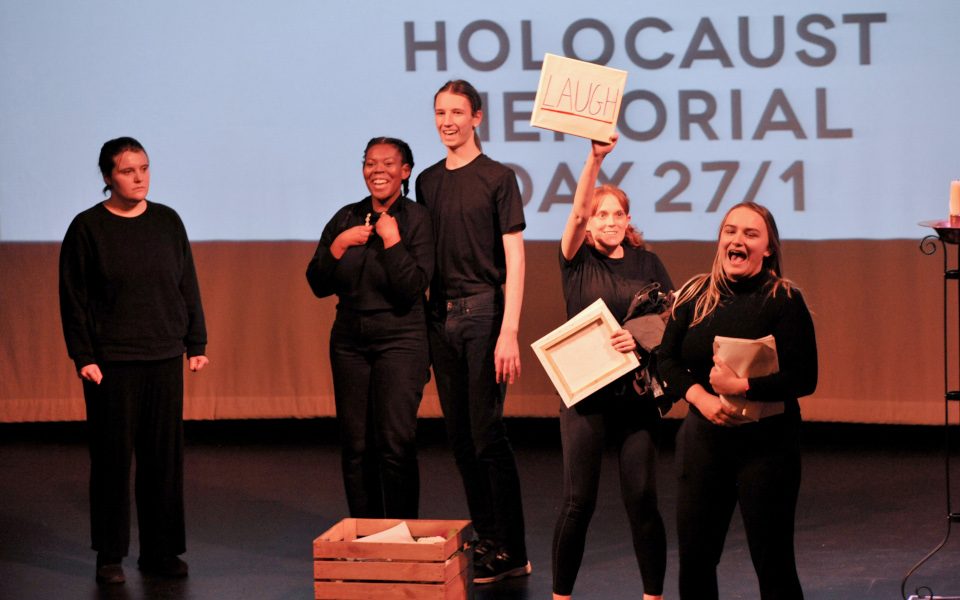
<point x="578" y="97"/>
<point x="578" y="356"/>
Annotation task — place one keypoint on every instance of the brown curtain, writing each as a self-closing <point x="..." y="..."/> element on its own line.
<point x="877" y="307"/>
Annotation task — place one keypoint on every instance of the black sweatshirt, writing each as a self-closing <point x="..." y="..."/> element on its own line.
<point x="371" y="277"/>
<point x="128" y="288"/>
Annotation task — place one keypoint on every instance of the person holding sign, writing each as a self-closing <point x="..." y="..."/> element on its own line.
<point x="724" y="457"/>
<point x="603" y="256"/>
<point x="376" y="255"/>
<point x="130" y="307"/>
<point x="475" y="300"/>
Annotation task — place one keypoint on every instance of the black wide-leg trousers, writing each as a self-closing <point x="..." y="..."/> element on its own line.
<point x="137" y="412"/>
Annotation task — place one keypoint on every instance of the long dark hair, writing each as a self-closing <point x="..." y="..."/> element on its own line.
<point x="109" y="152"/>
<point x="406" y="154"/>
<point x="464" y="88"/>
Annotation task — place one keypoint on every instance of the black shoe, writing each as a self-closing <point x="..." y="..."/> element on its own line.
<point x="110" y="573"/>
<point x="109" y="569"/>
<point x="481" y="549"/>
<point x="498" y="566"/>
<point x="163" y="566"/>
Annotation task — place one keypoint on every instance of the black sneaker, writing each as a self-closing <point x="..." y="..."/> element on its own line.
<point x="481" y="549"/>
<point x="163" y="566"/>
<point x="499" y="566"/>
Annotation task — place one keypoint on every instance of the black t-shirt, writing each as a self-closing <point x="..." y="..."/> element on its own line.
<point x="472" y="208"/>
<point x="590" y="275"/>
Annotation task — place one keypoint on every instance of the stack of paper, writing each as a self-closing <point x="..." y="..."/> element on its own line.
<point x="749" y="358"/>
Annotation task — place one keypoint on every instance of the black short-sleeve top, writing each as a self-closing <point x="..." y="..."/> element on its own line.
<point x="472" y="207"/>
<point x="590" y="275"/>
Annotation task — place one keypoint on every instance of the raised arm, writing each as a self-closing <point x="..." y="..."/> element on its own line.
<point x="576" y="228"/>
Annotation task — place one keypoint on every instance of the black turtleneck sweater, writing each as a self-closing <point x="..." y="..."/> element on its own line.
<point x="748" y="311"/>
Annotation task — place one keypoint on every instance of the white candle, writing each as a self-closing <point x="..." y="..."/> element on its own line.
<point x="955" y="198"/>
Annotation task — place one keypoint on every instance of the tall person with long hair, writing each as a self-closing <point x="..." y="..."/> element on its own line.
<point x="602" y="255"/>
<point x="725" y="458"/>
<point x="474" y="317"/>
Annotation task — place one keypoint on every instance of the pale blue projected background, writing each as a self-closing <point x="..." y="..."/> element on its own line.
<point x="255" y="114"/>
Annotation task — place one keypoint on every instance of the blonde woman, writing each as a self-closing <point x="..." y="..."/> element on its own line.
<point x="723" y="458"/>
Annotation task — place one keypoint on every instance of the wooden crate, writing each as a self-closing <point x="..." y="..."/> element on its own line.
<point x="345" y="569"/>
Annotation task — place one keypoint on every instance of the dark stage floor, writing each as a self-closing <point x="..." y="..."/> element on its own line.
<point x="872" y="504"/>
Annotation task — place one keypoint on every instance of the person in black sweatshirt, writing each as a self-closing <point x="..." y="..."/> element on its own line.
<point x="377" y="256"/>
<point x="723" y="457"/>
<point x="130" y="308"/>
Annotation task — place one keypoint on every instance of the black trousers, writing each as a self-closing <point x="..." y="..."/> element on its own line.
<point x="137" y="411"/>
<point x="462" y="342"/>
<point x="380" y="363"/>
<point x="756" y="465"/>
<point x="631" y="424"/>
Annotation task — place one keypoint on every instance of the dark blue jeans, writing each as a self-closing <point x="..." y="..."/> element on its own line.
<point x="380" y="363"/>
<point x="756" y="465"/>
<point x="463" y="336"/>
<point x="137" y="411"/>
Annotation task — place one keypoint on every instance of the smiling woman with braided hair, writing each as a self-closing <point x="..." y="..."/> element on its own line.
<point x="376" y="255"/>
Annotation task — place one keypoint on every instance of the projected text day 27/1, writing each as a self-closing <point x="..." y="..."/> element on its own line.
<point x="679" y="197"/>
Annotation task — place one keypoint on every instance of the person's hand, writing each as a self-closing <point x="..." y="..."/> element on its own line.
<point x="720" y="412"/>
<point x="195" y="363"/>
<point x="724" y="381"/>
<point x="714" y="408"/>
<point x="354" y="236"/>
<point x="387" y="229"/>
<point x="91" y="372"/>
<point x="622" y="341"/>
<point x="600" y="150"/>
<point x="506" y="358"/>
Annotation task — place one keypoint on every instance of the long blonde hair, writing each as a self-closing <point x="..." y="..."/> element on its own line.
<point x="711" y="286"/>
<point x="631" y="236"/>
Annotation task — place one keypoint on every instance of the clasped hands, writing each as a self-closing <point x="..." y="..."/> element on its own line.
<point x="358" y="235"/>
<point x="725" y="382"/>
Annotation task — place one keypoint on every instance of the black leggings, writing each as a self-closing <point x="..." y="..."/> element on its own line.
<point x="631" y="424"/>
<point x="756" y="466"/>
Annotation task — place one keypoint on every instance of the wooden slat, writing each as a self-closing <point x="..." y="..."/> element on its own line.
<point x="346" y="590"/>
<point x="392" y="570"/>
<point x="338" y="541"/>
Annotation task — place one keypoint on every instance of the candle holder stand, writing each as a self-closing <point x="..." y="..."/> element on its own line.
<point x="947" y="239"/>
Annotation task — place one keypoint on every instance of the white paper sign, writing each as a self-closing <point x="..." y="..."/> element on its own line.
<point x="578" y="98"/>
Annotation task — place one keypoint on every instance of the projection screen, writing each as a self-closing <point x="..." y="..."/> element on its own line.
<point x="840" y="116"/>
